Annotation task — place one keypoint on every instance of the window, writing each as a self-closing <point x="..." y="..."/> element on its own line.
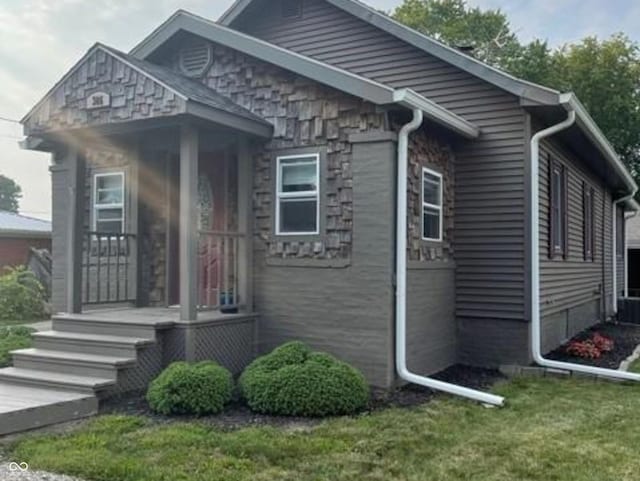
<point x="588" y="222"/>
<point x="108" y="202"/>
<point x="558" y="210"/>
<point x="431" y="205"/>
<point x="298" y="195"/>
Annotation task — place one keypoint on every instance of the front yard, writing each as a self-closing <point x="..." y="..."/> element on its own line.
<point x="551" y="429"/>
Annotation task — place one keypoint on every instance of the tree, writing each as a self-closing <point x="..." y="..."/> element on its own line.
<point x="487" y="34"/>
<point x="605" y="74"/>
<point x="10" y="194"/>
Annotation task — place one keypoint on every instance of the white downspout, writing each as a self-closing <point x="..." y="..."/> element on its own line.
<point x="534" y="248"/>
<point x="626" y="255"/>
<point x="401" y="281"/>
<point x="614" y="224"/>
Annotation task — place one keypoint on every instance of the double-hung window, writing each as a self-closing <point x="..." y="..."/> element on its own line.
<point x="431" y="205"/>
<point x="108" y="202"/>
<point x="558" y="210"/>
<point x="298" y="195"/>
<point x="588" y="222"/>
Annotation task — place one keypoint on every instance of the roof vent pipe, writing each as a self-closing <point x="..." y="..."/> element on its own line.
<point x="536" y="331"/>
<point x="401" y="280"/>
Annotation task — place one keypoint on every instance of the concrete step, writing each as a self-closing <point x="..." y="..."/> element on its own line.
<point x="77" y="364"/>
<point x="24" y="407"/>
<point x="109" y="325"/>
<point x="54" y="380"/>
<point x="117" y="346"/>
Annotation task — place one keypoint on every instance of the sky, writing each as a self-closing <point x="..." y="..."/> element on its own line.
<point x="41" y="39"/>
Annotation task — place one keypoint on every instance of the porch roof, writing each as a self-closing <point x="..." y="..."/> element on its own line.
<point x="131" y="89"/>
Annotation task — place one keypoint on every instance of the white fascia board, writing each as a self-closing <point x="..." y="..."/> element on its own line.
<point x="570" y="102"/>
<point x="411" y="99"/>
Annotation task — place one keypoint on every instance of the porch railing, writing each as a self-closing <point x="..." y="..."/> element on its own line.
<point x="219" y="270"/>
<point x="108" y="268"/>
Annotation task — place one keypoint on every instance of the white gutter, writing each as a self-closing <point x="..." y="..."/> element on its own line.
<point x="401" y="281"/>
<point x="534" y="249"/>
<point x="614" y="264"/>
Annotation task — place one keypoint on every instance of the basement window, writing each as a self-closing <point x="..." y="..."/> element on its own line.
<point x="108" y="203"/>
<point x="298" y="195"/>
<point x="588" y="222"/>
<point x="431" y="205"/>
<point x="558" y="221"/>
<point x="291" y="8"/>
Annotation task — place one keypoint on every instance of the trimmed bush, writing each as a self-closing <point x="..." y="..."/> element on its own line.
<point x="294" y="381"/>
<point x="22" y="297"/>
<point x="183" y="388"/>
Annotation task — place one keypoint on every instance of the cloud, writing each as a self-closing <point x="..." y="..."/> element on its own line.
<point x="41" y="39"/>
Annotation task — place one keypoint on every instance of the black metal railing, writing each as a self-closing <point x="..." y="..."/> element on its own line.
<point x="218" y="270"/>
<point x="108" y="268"/>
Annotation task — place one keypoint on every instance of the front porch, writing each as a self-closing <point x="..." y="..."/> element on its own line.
<point x="168" y="226"/>
<point x="152" y="182"/>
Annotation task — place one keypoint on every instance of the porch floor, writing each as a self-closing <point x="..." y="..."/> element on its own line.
<point x="155" y="316"/>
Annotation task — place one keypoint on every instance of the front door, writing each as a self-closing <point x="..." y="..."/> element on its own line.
<point x="212" y="217"/>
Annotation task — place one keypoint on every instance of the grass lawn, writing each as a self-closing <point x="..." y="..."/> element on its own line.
<point x="552" y="429"/>
<point x="635" y="366"/>
<point x="12" y="338"/>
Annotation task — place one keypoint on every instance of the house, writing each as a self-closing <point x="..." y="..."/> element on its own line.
<point x="18" y="234"/>
<point x="311" y="169"/>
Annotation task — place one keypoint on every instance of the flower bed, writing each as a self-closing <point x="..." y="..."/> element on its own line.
<point x="591" y="346"/>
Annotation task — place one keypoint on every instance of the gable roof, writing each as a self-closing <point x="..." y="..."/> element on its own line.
<point x="518" y="87"/>
<point x="321" y="72"/>
<point x="198" y="99"/>
<point x="531" y="94"/>
<point x="12" y="224"/>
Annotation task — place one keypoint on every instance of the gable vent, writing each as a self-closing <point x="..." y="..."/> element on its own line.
<point x="195" y="59"/>
<point x="291" y="8"/>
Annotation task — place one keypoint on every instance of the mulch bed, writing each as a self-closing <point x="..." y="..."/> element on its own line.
<point x="626" y="338"/>
<point x="237" y="415"/>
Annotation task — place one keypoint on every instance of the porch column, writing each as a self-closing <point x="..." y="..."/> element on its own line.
<point x="188" y="222"/>
<point x="245" y="224"/>
<point x="75" y="229"/>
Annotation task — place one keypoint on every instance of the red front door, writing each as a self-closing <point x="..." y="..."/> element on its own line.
<point x="212" y="216"/>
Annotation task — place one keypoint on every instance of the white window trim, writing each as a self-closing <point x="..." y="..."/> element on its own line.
<point x="97" y="207"/>
<point x="295" y="195"/>
<point x="439" y="208"/>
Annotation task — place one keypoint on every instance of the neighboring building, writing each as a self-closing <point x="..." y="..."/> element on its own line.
<point x="250" y="165"/>
<point x="633" y="257"/>
<point x="18" y="234"/>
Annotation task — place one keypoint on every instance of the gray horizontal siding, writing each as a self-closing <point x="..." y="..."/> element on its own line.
<point x="568" y="283"/>
<point x="489" y="222"/>
<point x="431" y="325"/>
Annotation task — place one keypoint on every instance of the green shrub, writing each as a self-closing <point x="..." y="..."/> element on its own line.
<point x="294" y="381"/>
<point x="22" y="297"/>
<point x="12" y="338"/>
<point x="183" y="388"/>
